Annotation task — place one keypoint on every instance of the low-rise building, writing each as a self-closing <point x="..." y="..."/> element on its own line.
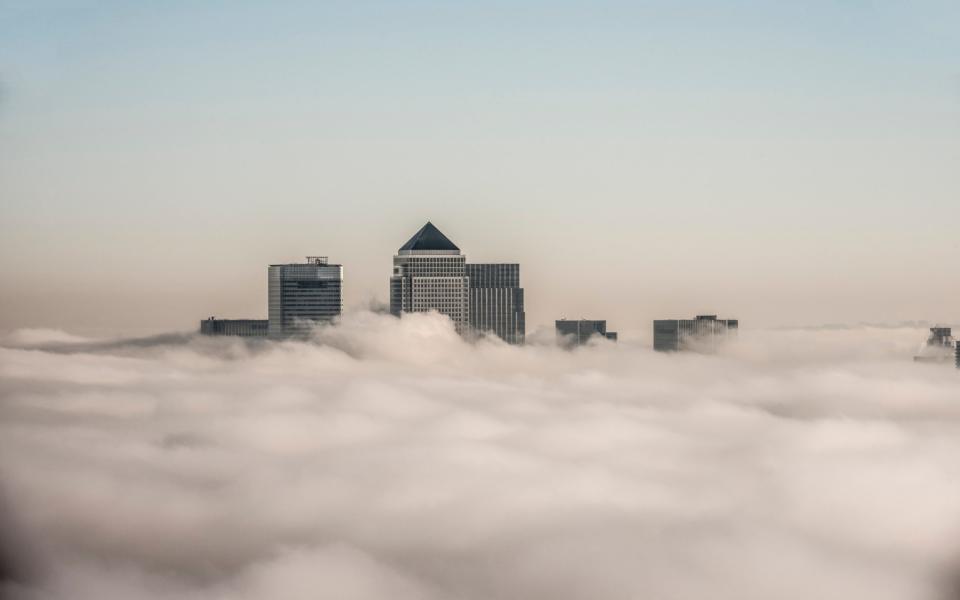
<point x="238" y="327"/>
<point x="704" y="332"/>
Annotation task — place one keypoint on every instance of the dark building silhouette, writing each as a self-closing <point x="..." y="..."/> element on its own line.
<point x="496" y="300"/>
<point x="939" y="346"/>
<point x="238" y="327"/>
<point x="578" y="332"/>
<point x="702" y="333"/>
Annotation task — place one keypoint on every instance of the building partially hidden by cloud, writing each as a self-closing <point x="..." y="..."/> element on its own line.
<point x="430" y="273"/>
<point x="705" y="332"/>
<point x="299" y="297"/>
<point x="939" y="347"/>
<point x="578" y="332"/>
<point x="302" y="295"/>
<point x="496" y="300"/>
<point x="237" y="327"/>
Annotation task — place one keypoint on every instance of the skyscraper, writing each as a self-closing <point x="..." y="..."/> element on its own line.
<point x="429" y="274"/>
<point x="704" y="332"/>
<point x="301" y="295"/>
<point x="578" y="332"/>
<point x="496" y="300"/>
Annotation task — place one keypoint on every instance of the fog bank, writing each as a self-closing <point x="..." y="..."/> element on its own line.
<point x="388" y="458"/>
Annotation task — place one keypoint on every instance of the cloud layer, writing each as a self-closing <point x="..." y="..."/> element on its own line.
<point x="389" y="459"/>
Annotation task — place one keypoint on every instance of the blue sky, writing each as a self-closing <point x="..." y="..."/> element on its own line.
<point x="761" y="159"/>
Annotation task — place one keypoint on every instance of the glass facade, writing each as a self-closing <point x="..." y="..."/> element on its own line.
<point x="702" y="333"/>
<point x="496" y="301"/>
<point x="429" y="274"/>
<point x="299" y="296"/>
<point x="578" y="332"/>
<point x="424" y="282"/>
<point x="238" y="327"/>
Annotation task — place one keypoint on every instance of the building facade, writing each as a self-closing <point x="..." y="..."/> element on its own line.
<point x="302" y="295"/>
<point x="496" y="300"/>
<point x="939" y="346"/>
<point x="578" y="332"/>
<point x="705" y="332"/>
<point x="238" y="327"/>
<point x="429" y="273"/>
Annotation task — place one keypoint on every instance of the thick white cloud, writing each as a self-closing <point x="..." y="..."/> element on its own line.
<point x="390" y="459"/>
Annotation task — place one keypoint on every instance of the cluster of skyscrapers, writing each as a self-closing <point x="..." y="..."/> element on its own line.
<point x="429" y="274"/>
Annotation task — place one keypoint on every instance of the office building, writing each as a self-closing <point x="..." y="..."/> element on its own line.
<point x="238" y="327"/>
<point x="429" y="273"/>
<point x="302" y="295"/>
<point x="939" y="346"/>
<point x="496" y="300"/>
<point x="705" y="332"/>
<point x="578" y="332"/>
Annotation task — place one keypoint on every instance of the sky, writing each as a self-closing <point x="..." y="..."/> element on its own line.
<point x="389" y="458"/>
<point x="782" y="163"/>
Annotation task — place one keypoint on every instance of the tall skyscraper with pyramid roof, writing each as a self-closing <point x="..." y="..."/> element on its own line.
<point x="429" y="273"/>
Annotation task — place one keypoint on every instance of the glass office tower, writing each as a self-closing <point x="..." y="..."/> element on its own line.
<point x="429" y="274"/>
<point x="496" y="300"/>
<point x="301" y="295"/>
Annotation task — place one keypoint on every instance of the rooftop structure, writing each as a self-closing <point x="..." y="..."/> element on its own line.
<point x="429" y="239"/>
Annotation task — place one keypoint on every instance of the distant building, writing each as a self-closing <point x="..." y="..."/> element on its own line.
<point x="301" y="295"/>
<point x="496" y="300"/>
<point x="956" y="351"/>
<point x="939" y="346"/>
<point x="703" y="332"/>
<point x="578" y="332"/>
<point x="238" y="327"/>
<point x="429" y="273"/>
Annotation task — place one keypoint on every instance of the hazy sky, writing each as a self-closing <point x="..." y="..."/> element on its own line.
<point x="784" y="163"/>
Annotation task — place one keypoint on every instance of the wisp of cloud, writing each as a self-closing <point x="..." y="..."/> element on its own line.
<point x="389" y="458"/>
